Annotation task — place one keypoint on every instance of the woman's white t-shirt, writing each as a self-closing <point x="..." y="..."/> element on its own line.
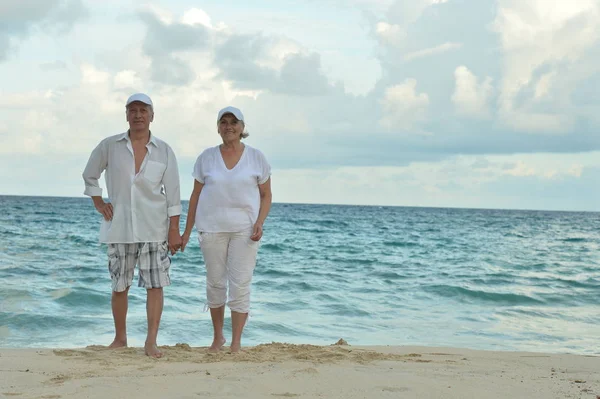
<point x="230" y="199"/>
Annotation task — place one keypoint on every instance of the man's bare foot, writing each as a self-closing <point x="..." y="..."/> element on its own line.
<point x="235" y="348"/>
<point x="152" y="351"/>
<point x="118" y="343"/>
<point x="217" y="345"/>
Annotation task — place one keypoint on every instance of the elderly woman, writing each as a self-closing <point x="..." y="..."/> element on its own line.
<point x="229" y="204"/>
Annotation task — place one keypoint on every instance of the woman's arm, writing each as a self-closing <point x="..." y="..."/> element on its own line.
<point x="191" y="216"/>
<point x="265" y="206"/>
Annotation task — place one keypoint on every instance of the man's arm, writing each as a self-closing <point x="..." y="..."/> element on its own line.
<point x="92" y="172"/>
<point x="172" y="192"/>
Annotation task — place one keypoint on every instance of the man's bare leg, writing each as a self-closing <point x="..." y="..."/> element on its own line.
<point x="218" y="316"/>
<point x="238" y="321"/>
<point x="154" y="308"/>
<point x="119" y="311"/>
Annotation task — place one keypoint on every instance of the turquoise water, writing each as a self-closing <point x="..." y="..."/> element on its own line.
<point x="483" y="279"/>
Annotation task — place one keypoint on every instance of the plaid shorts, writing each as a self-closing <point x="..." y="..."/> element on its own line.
<point x="153" y="261"/>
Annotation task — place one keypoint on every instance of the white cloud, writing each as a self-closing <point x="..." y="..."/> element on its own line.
<point x="277" y="51"/>
<point x="442" y="48"/>
<point x="32" y="144"/>
<point x="19" y="18"/>
<point x="576" y="170"/>
<point x="53" y="66"/>
<point x="127" y="79"/>
<point x="551" y="174"/>
<point x="23" y="100"/>
<point x="527" y="24"/>
<point x="93" y="76"/>
<point x="402" y="106"/>
<point x="537" y="122"/>
<point x="540" y="43"/>
<point x="229" y="93"/>
<point x="390" y="34"/>
<point x="403" y="14"/>
<point x="164" y="16"/>
<point x="196" y="16"/>
<point x="521" y="169"/>
<point x="540" y="168"/>
<point x="470" y="97"/>
<point x="450" y="182"/>
<point x="544" y="85"/>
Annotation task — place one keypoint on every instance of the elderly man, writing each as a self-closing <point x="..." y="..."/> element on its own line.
<point x="141" y="221"/>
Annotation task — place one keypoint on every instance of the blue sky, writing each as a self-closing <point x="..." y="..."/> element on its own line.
<point x="457" y="103"/>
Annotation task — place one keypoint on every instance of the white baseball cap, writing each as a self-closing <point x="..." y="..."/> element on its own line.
<point x="231" y="110"/>
<point x="141" y="97"/>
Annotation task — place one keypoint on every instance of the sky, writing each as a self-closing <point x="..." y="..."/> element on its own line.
<point x="437" y="103"/>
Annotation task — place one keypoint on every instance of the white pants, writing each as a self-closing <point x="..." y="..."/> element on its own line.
<point x="230" y="259"/>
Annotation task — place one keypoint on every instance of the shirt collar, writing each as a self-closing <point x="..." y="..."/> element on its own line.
<point x="153" y="140"/>
<point x="125" y="136"/>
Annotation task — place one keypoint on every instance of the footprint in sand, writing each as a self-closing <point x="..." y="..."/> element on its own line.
<point x="59" y="379"/>
<point x="395" y="389"/>
<point x="309" y="370"/>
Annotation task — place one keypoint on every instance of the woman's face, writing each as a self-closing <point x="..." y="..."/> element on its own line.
<point x="230" y="128"/>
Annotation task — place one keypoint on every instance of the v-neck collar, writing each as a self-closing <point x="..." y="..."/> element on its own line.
<point x="237" y="163"/>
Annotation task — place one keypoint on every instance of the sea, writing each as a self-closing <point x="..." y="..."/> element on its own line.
<point x="372" y="275"/>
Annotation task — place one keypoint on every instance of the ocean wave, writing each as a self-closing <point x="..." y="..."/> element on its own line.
<point x="471" y="295"/>
<point x="274" y="247"/>
<point x="390" y="275"/>
<point x="341" y="309"/>
<point x="81" y="297"/>
<point x="574" y="239"/>
<point x="400" y="244"/>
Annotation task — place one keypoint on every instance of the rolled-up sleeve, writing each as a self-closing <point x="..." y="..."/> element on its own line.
<point x="265" y="169"/>
<point x="171" y="184"/>
<point x="93" y="170"/>
<point x="197" y="173"/>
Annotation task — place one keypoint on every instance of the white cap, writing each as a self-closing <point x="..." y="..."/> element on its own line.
<point x="141" y="97"/>
<point x="231" y="110"/>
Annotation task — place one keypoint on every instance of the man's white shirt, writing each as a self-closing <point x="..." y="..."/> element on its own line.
<point x="142" y="203"/>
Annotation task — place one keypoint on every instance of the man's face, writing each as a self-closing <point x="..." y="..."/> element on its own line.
<point x="139" y="115"/>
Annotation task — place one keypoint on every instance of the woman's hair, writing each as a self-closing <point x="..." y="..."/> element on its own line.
<point x="244" y="132"/>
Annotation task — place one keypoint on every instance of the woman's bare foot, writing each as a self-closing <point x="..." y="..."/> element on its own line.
<point x="217" y="345"/>
<point x="152" y="350"/>
<point x="118" y="343"/>
<point x="235" y="348"/>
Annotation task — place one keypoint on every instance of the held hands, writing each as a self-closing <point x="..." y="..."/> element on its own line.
<point x="257" y="231"/>
<point x="174" y="241"/>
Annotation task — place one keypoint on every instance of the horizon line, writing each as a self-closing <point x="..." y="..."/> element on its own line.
<point x="358" y="205"/>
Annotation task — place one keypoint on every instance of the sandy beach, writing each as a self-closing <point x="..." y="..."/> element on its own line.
<point x="280" y="370"/>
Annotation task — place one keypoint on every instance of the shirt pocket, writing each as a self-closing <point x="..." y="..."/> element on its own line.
<point x="154" y="171"/>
